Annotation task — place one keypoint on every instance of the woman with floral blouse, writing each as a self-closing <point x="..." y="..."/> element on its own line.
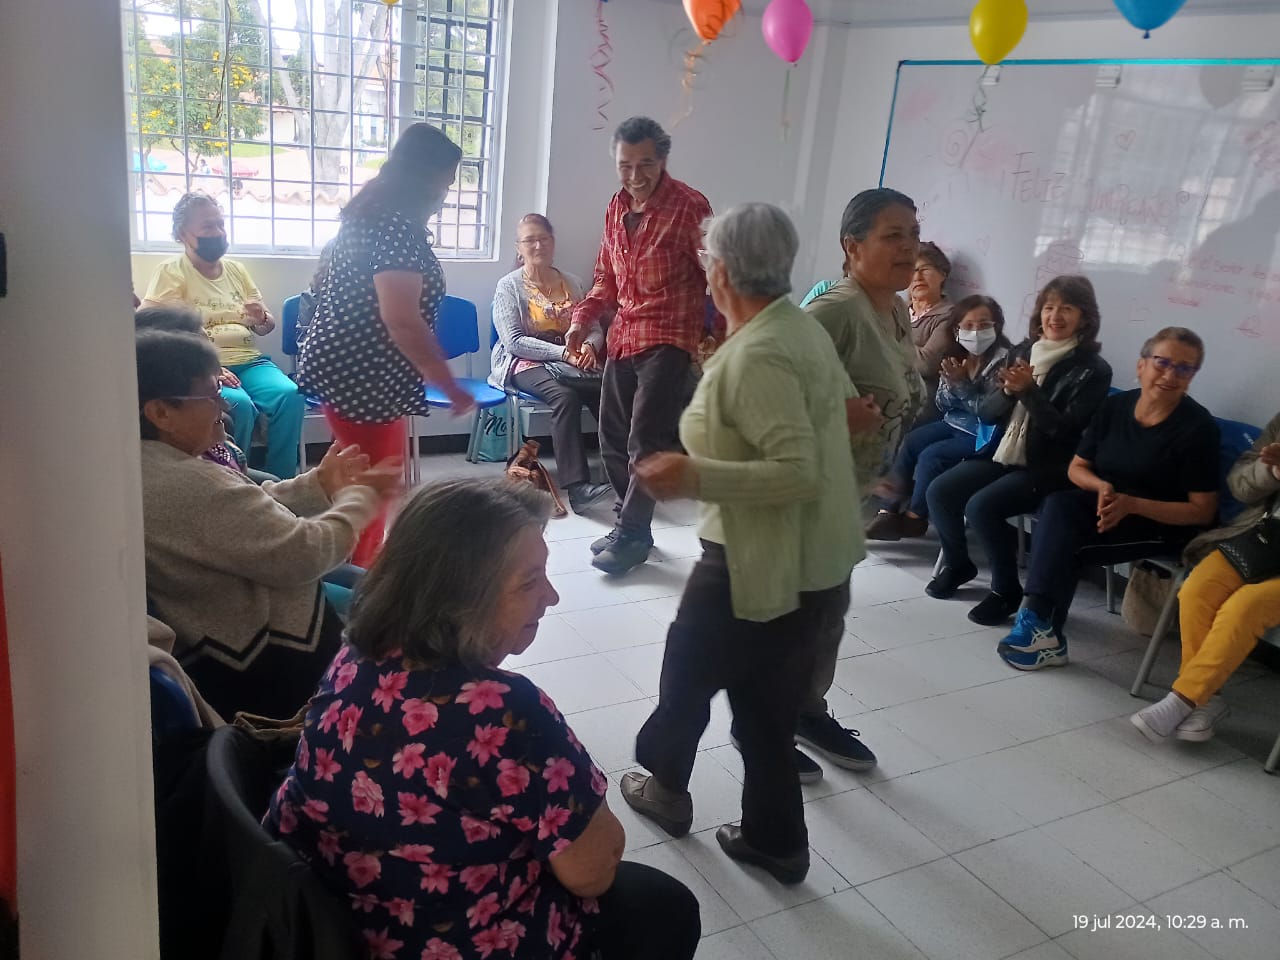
<point x="445" y="799"/>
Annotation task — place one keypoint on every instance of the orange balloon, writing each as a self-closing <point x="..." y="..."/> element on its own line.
<point x="709" y="16"/>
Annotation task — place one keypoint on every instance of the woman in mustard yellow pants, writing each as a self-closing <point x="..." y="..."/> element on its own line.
<point x="1221" y="616"/>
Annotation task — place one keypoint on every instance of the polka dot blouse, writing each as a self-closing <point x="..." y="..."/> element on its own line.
<point x="347" y="357"/>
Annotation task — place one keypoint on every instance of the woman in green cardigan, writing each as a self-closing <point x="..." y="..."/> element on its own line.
<point x="768" y="440"/>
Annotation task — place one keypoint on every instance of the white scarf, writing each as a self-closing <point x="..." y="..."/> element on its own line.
<point x="1012" y="451"/>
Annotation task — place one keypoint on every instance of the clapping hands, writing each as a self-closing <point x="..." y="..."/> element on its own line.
<point x="1017" y="378"/>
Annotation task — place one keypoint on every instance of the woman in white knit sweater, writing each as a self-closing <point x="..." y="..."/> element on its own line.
<point x="232" y="567"/>
<point x="532" y="306"/>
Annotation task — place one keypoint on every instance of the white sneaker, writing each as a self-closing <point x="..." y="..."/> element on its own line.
<point x="1201" y="722"/>
<point x="1159" y="720"/>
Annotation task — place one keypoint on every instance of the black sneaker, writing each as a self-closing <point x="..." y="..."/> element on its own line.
<point x="995" y="609"/>
<point x="623" y="555"/>
<point x="582" y="496"/>
<point x="605" y="542"/>
<point x="788" y="870"/>
<point x="949" y="580"/>
<point x="808" y="769"/>
<point x="838" y="744"/>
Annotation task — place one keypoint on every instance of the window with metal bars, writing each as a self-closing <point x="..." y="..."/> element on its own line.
<point x="281" y="109"/>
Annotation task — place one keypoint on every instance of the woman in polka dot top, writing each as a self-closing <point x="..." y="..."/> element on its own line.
<point x="370" y="348"/>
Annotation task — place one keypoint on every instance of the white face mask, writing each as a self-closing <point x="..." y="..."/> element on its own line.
<point x="976" y="341"/>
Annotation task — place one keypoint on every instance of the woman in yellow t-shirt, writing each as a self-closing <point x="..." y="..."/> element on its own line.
<point x="233" y="313"/>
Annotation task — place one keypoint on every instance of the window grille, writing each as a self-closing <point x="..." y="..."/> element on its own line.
<point x="281" y="109"/>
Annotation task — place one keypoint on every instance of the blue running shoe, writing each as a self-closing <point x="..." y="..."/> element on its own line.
<point x="1035" y="659"/>
<point x="1029" y="634"/>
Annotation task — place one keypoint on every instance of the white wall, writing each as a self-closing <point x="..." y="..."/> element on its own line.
<point x="70" y="510"/>
<point x="873" y="56"/>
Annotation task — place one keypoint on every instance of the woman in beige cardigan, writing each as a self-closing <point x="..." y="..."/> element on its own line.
<point x="232" y="567"/>
<point x="1221" y="616"/>
<point x="769" y="459"/>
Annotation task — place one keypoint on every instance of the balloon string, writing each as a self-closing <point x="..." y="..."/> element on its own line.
<point x="691" y="60"/>
<point x="786" y="100"/>
<point x="599" y="60"/>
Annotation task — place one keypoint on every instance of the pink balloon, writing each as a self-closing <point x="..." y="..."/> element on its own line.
<point x="787" y="27"/>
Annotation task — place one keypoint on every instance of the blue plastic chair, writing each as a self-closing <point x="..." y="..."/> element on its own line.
<point x="458" y="333"/>
<point x="289" y="346"/>
<point x="172" y="712"/>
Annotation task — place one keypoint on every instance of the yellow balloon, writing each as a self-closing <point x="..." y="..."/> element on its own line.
<point x="390" y="3"/>
<point x="996" y="26"/>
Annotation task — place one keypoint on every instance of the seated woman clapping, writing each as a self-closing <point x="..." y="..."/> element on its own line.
<point x="532" y="307"/>
<point x="1222" y="614"/>
<point x="929" y="450"/>
<point x="234" y="568"/>
<point x="1051" y="384"/>
<point x="445" y="799"/>
<point x="1146" y="474"/>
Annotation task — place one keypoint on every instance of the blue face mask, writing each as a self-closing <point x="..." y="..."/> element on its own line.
<point x="211" y="249"/>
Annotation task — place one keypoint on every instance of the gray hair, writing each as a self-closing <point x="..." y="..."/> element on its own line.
<point x="177" y="317"/>
<point x="635" y="130"/>
<point x="860" y="214"/>
<point x="1181" y="335"/>
<point x="434" y="590"/>
<point x="757" y="244"/>
<point x="182" y="210"/>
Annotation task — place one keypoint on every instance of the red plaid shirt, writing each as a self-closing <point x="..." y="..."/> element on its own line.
<point x="653" y="278"/>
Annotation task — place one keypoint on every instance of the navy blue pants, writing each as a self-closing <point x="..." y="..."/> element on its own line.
<point x="927" y="452"/>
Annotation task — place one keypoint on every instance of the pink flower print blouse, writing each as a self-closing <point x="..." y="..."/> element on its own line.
<point x="432" y="801"/>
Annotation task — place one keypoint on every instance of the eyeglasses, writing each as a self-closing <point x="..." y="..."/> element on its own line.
<point x="531" y="242"/>
<point x="1183" y="371"/>
<point x="217" y="399"/>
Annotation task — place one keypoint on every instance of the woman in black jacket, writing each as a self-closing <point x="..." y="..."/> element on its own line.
<point x="1051" y="385"/>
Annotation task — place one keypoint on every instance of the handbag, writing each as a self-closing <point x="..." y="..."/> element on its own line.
<point x="1144" y="597"/>
<point x="1255" y="554"/>
<point x="525" y="468"/>
<point x="566" y="372"/>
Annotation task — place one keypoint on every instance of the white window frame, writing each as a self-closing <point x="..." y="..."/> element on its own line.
<point x="262" y="217"/>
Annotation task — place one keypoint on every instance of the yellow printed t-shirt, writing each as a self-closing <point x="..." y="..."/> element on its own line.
<point x="220" y="302"/>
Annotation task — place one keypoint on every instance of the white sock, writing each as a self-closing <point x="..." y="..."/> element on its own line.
<point x="1163" y="716"/>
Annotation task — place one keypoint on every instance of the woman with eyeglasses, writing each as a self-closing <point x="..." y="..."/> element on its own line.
<point x="1146" y="472"/>
<point x="235" y="568"/>
<point x="532" y="308"/>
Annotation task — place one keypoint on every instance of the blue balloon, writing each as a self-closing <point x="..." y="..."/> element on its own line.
<point x="1146" y="15"/>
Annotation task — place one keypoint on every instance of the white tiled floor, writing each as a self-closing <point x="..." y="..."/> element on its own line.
<point x="1004" y="804"/>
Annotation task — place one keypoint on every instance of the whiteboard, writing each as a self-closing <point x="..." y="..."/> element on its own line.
<point x="1164" y="189"/>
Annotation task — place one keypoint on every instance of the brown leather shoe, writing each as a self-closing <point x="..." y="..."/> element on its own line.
<point x="885" y="526"/>
<point x="670" y="810"/>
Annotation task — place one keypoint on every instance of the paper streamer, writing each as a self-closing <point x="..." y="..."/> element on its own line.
<point x="599" y="61"/>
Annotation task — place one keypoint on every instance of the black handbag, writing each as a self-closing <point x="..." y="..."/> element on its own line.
<point x="1255" y="554"/>
<point x="566" y="372"/>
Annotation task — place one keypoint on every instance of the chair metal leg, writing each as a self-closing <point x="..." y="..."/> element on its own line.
<point x="937" y="565"/>
<point x="1110" y="573"/>
<point x="474" y="442"/>
<point x="1273" y="761"/>
<point x="1157" y="635"/>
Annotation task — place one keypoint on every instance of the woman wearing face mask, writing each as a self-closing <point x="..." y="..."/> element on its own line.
<point x="370" y="348"/>
<point x="933" y="448"/>
<point x="233" y="313"/>
<point x="1050" y="386"/>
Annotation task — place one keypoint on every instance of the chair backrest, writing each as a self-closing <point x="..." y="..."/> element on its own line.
<point x="277" y="901"/>
<point x="289" y="325"/>
<point x="1234" y="438"/>
<point x="457" y="327"/>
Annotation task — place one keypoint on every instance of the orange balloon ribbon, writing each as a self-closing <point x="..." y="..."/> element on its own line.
<point x="710" y="16"/>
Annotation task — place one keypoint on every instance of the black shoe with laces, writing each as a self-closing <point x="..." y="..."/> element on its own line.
<point x="809" y="770"/>
<point x="838" y="744"/>
<point x="624" y="554"/>
<point x="582" y="496"/>
<point x="605" y="542"/>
